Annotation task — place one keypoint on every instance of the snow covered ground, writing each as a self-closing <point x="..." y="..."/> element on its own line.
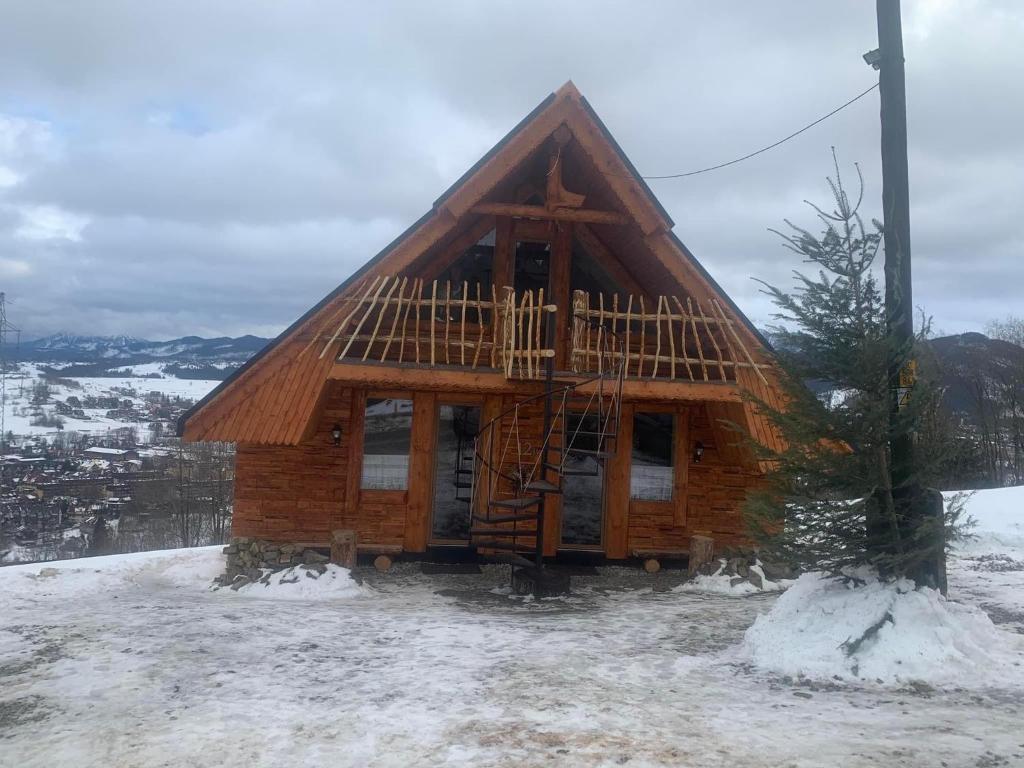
<point x="133" y="661"/>
<point x="18" y="408"/>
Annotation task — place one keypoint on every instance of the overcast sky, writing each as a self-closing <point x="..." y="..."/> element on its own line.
<point x="215" y="168"/>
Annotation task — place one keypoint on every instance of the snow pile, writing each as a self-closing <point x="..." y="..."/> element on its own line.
<point x="722" y="582"/>
<point x="303" y="582"/>
<point x="884" y="632"/>
<point x="177" y="568"/>
<point x="999" y="514"/>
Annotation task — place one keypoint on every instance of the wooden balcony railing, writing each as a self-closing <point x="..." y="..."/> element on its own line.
<point x="674" y="342"/>
<point x="393" y="319"/>
<point x="407" y="320"/>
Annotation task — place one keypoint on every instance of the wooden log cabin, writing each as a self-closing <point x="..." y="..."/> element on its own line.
<point x="536" y="366"/>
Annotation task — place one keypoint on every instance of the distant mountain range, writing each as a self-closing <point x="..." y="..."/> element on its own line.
<point x="195" y="357"/>
<point x="187" y="357"/>
<point x="969" y="364"/>
<point x="968" y="359"/>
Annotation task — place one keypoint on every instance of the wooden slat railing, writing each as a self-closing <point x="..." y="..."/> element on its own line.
<point x="408" y="320"/>
<point x="673" y="342"/>
<point x="394" y="319"/>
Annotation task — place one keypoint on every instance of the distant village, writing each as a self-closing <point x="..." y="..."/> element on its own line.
<point x="132" y="488"/>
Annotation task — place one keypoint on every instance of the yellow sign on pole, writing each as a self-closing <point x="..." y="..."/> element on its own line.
<point x="907" y="379"/>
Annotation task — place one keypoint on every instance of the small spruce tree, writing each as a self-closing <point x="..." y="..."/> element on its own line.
<point x="828" y="503"/>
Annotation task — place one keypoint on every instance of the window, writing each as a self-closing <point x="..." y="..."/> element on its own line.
<point x="469" y="276"/>
<point x="588" y="275"/>
<point x="652" y="476"/>
<point x="387" y="432"/>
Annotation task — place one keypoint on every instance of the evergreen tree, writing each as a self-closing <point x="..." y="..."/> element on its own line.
<point x="829" y="501"/>
<point x="99" y="542"/>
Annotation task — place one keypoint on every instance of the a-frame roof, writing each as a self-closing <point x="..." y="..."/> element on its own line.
<point x="286" y="378"/>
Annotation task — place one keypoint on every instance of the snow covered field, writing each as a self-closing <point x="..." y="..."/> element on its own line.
<point x="132" y="661"/>
<point x="18" y="408"/>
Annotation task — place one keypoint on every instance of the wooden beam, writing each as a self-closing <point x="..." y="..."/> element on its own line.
<point x="556" y="195"/>
<point x="421" y="471"/>
<point x="413" y="377"/>
<point x="559" y="274"/>
<point x="681" y="460"/>
<point x="617" y="489"/>
<point x="559" y="214"/>
<point x="648" y="389"/>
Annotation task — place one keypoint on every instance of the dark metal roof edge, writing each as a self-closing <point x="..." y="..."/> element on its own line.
<point x="628" y="163"/>
<point x="362" y="270"/>
<point x="494" y="150"/>
<point x="419" y="222"/>
<point x="305" y="316"/>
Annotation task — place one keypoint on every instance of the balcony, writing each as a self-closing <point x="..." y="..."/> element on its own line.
<point x="404" y="321"/>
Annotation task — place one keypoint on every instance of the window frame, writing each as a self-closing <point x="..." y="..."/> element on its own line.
<point x="385" y="395"/>
<point x="673" y="465"/>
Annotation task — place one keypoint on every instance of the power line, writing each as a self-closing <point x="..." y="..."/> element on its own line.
<point x="770" y="146"/>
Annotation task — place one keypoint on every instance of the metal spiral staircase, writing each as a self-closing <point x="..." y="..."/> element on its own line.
<point x="514" y="475"/>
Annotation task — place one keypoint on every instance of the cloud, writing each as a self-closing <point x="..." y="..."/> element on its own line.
<point x="218" y="167"/>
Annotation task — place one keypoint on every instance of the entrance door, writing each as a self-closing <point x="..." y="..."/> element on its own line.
<point x="582" y="483"/>
<point x="457" y="425"/>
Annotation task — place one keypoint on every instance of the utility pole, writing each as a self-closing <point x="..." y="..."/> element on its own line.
<point x="914" y="506"/>
<point x="899" y="303"/>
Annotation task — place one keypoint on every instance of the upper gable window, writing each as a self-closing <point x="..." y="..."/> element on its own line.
<point x="588" y="275"/>
<point x="475" y="265"/>
<point x="469" y="276"/>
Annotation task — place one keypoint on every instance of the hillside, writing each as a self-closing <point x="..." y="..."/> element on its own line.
<point x="966" y="357"/>
<point x="186" y="357"/>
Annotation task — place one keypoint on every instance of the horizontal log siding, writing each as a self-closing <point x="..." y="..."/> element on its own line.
<point x="297" y="493"/>
<point x="715" y="493"/>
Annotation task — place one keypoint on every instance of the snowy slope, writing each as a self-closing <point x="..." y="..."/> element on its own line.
<point x="18" y="407"/>
<point x="891" y="633"/>
<point x="133" y="661"/>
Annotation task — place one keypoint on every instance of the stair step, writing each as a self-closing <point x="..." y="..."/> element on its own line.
<point x="458" y="484"/>
<point x="463" y="471"/>
<point x="514" y="559"/>
<point x="543" y="486"/>
<point x="588" y="452"/>
<point x="508" y="546"/>
<point x="572" y="472"/>
<point x="505" y="519"/>
<point x="523" y="502"/>
<point x="504" y="533"/>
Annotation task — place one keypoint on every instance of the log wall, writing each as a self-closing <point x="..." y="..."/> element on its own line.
<point x="301" y="493"/>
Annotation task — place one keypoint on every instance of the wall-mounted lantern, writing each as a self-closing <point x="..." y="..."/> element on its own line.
<point x="698" y="452"/>
<point x="336" y="434"/>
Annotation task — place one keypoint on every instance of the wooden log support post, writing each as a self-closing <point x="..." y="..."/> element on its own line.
<point x="702" y="550"/>
<point x="579" y="325"/>
<point x="343" y="548"/>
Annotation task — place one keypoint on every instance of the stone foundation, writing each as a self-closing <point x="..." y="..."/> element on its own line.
<point x="735" y="563"/>
<point x="251" y="557"/>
